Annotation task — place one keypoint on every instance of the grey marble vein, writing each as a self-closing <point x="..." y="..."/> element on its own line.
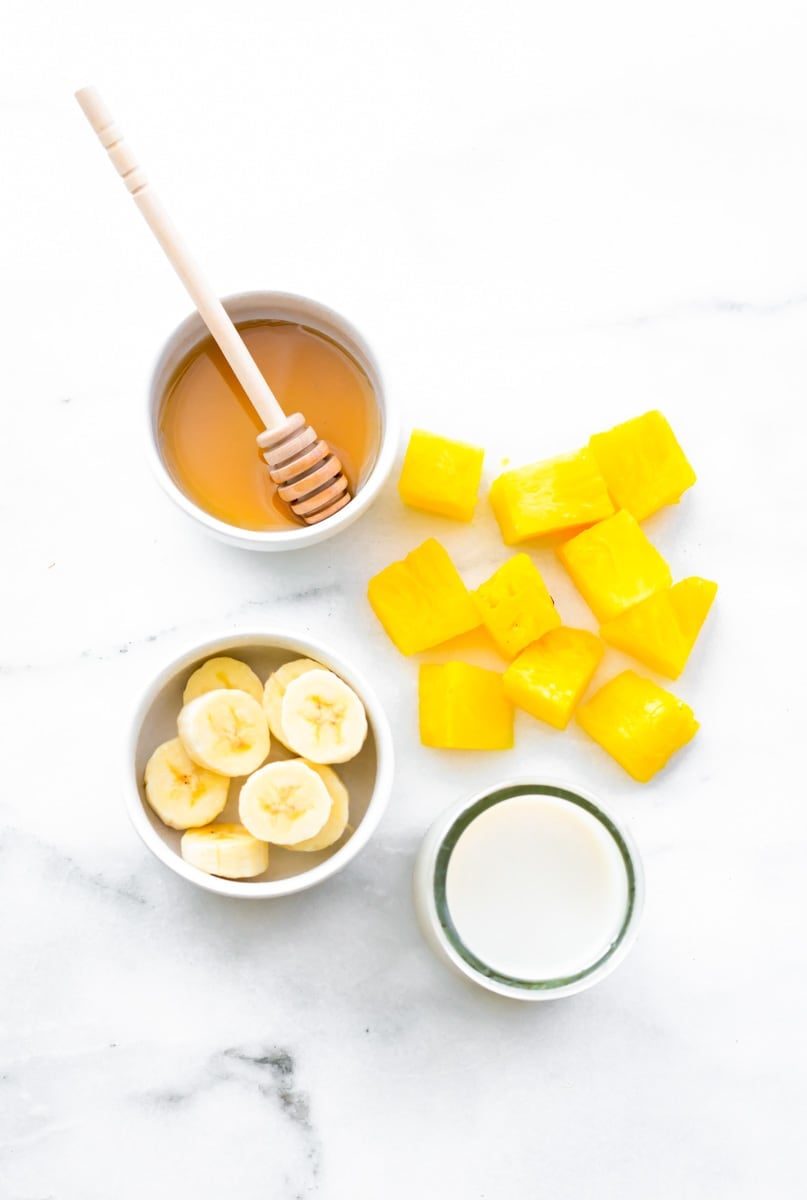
<point x="16" y="842"/>
<point x="108" y="652"/>
<point x="268" y="1072"/>
<point x="704" y="308"/>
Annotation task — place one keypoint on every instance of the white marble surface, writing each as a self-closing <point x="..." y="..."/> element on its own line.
<point x="560" y="214"/>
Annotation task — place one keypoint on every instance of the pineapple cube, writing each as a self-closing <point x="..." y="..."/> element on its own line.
<point x="549" y="678"/>
<point x="515" y="606"/>
<point x="463" y="707"/>
<point x="662" y="630"/>
<point x="638" y="723"/>
<point x="614" y="565"/>
<point x="562" y="493"/>
<point x="421" y="601"/>
<point x="441" y="476"/>
<point x="643" y="464"/>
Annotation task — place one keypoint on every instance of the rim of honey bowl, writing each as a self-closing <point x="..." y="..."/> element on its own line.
<point x="280" y="306"/>
<point x="435" y="920"/>
<point x="153" y="720"/>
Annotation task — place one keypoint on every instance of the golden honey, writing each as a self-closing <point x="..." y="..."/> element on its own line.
<point x="208" y="428"/>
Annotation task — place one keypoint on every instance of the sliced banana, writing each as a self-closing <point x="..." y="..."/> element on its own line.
<point x="227" y="850"/>
<point x="335" y="826"/>
<point x="275" y="690"/>
<point x="284" y="802"/>
<point x="219" y="673"/>
<point x="225" y="731"/>
<point x="322" y="718"/>
<point x="182" y="793"/>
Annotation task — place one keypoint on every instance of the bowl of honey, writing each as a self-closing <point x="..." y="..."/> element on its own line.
<point x="202" y="429"/>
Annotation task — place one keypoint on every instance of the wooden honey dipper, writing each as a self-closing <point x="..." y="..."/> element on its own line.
<point x="309" y="477"/>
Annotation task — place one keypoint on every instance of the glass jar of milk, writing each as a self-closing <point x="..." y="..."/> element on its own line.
<point x="532" y="890"/>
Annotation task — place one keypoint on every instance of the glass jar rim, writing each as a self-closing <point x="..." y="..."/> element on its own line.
<point x="443" y="857"/>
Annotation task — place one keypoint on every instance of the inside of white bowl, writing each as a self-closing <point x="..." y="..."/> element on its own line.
<point x="159" y="725"/>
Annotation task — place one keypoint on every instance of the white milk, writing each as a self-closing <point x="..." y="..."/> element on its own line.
<point x="537" y="888"/>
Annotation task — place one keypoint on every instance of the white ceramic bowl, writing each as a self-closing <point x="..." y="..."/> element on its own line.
<point x="277" y="306"/>
<point x="368" y="776"/>
<point x="435" y="920"/>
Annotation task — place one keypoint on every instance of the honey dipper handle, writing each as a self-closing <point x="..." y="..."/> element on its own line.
<point x="207" y="302"/>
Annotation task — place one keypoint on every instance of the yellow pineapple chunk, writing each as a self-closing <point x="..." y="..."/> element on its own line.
<point x="662" y="630"/>
<point x="515" y="606"/>
<point x="638" y="723"/>
<point x="421" y="601"/>
<point x="463" y="707"/>
<point x="643" y="464"/>
<point x="614" y="565"/>
<point x="561" y="493"/>
<point x="549" y="678"/>
<point x="441" y="476"/>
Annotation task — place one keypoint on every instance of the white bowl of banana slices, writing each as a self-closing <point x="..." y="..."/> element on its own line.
<point x="259" y="764"/>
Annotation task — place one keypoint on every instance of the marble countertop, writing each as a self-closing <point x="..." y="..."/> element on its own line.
<point x="545" y="219"/>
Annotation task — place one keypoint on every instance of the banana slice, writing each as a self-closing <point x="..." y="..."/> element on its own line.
<point x="335" y="826"/>
<point x="225" y="731"/>
<point x="219" y="673"/>
<point x="322" y="718"/>
<point x="284" y="802"/>
<point x="275" y="690"/>
<point x="227" y="850"/>
<point x="182" y="793"/>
